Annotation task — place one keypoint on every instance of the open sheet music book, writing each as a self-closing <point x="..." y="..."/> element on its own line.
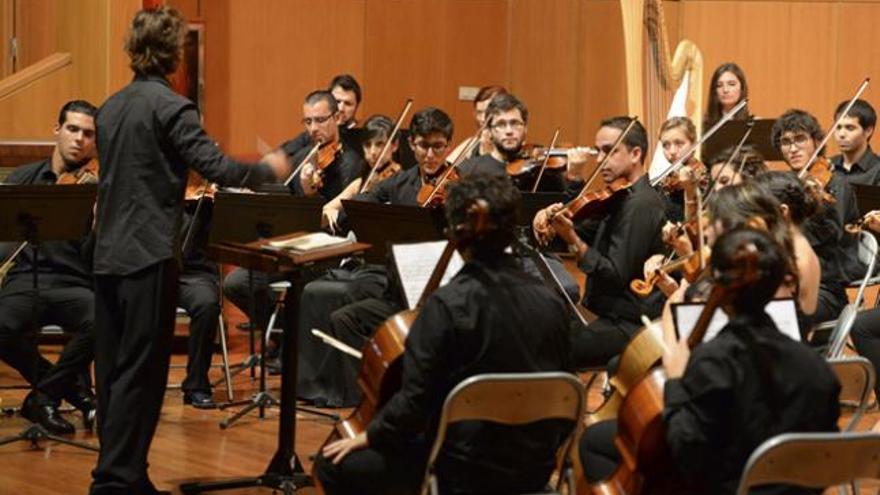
<point x="415" y="263"/>
<point x="311" y="242"/>
<point x="782" y="311"/>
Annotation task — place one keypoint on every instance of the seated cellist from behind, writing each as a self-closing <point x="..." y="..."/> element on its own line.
<point x="491" y="317"/>
<point x="731" y="393"/>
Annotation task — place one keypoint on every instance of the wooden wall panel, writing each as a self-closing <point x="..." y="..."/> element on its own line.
<point x="426" y="49"/>
<point x="7" y="29"/>
<point x="36" y="28"/>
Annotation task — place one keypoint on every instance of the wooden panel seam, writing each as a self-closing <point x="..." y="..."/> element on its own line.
<point x="18" y="81"/>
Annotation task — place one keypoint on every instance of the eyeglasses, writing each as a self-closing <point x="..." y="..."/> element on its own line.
<point x="799" y="140"/>
<point x="426" y="147"/>
<point x="316" y="120"/>
<point x="504" y="124"/>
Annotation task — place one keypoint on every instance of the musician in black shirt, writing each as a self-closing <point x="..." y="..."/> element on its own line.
<point x="730" y="394"/>
<point x="857" y="162"/>
<point x="65" y="289"/>
<point x="612" y="251"/>
<point x="147" y="136"/>
<point x="483" y="321"/>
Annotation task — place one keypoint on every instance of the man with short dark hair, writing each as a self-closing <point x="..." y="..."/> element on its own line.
<point x="147" y="137"/>
<point x="65" y="290"/>
<point x="482" y="321"/>
<point x="856" y="161"/>
<point x="612" y="250"/>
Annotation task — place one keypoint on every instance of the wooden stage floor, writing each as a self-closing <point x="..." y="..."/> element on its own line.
<point x="189" y="445"/>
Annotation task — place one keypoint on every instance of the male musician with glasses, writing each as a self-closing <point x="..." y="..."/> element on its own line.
<point x="507" y="119"/>
<point x="611" y="250"/>
<point x="797" y="134"/>
<point x="65" y="290"/>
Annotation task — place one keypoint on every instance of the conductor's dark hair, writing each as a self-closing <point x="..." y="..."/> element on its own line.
<point x="430" y="120"/>
<point x="502" y="198"/>
<point x="637" y="136"/>
<point x="77" y="106"/>
<point x="323" y="95"/>
<point x="154" y="41"/>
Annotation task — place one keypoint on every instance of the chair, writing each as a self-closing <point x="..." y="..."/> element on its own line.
<point x="280" y="289"/>
<point x="814" y="460"/>
<point x="488" y="397"/>
<point x="856" y="377"/>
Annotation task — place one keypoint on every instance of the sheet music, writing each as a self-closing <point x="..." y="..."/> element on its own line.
<point x="415" y="263"/>
<point x="782" y="311"/>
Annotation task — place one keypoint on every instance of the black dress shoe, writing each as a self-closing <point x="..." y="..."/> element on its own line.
<point x="46" y="415"/>
<point x="84" y="400"/>
<point x="199" y="400"/>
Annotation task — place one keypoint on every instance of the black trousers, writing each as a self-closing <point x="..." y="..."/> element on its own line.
<point x="237" y="289"/>
<point x="371" y="471"/>
<point x="134" y="327"/>
<point x="865" y="335"/>
<point x="200" y="297"/>
<point x="602" y="340"/>
<point x="71" y="308"/>
<point x="599" y="456"/>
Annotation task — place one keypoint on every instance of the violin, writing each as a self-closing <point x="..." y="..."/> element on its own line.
<point x="388" y="170"/>
<point x="672" y="182"/>
<point x="87" y="174"/>
<point x="381" y="370"/>
<point x="197" y="187"/>
<point x="594" y="203"/>
<point x="862" y="223"/>
<point x="689" y="265"/>
<point x="817" y="178"/>
<point x="326" y="156"/>
<point x="433" y="193"/>
<point x="641" y="436"/>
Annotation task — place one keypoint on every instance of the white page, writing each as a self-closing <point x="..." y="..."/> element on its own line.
<point x="415" y="263"/>
<point x="781" y="311"/>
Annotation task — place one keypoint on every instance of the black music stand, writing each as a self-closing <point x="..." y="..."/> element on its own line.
<point x="729" y="135"/>
<point x="37" y="213"/>
<point x="382" y="225"/>
<point x="532" y="203"/>
<point x="246" y="217"/>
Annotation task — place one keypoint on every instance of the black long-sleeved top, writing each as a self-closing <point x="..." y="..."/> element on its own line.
<point x="59" y="263"/>
<point x="837" y="250"/>
<point x="147" y="136"/>
<point x="401" y="188"/>
<point x="485" y="320"/>
<point x="619" y="244"/>
<point x="346" y="167"/>
<point x="734" y="395"/>
<point x="865" y="171"/>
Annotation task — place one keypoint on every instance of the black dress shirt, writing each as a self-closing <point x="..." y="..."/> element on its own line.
<point x="837" y="250"/>
<point x="865" y="171"/>
<point x="346" y="167"/>
<point x="748" y="384"/>
<point x="485" y="320"/>
<point x="552" y="181"/>
<point x="59" y="263"/>
<point x="619" y="244"/>
<point x="147" y="136"/>
<point x="401" y="188"/>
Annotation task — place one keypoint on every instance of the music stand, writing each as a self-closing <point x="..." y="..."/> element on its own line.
<point x="37" y="213"/>
<point x="246" y="217"/>
<point x="729" y="135"/>
<point x="867" y="197"/>
<point x="532" y="203"/>
<point x="382" y="225"/>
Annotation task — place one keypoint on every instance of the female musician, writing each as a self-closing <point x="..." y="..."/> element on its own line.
<point x="377" y="130"/>
<point x="730" y="394"/>
<point x="482" y="321"/>
<point x="677" y="136"/>
<point x="727" y="88"/>
<point x="724" y="171"/>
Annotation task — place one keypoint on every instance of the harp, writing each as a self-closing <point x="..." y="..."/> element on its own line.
<point x="652" y="76"/>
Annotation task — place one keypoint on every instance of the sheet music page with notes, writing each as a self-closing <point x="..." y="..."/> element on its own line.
<point x="415" y="263"/>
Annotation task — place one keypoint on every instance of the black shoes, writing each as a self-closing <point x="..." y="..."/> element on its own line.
<point x="46" y="414"/>
<point x="84" y="400"/>
<point x="199" y="400"/>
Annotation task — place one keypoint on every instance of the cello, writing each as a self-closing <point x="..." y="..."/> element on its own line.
<point x="380" y="375"/>
<point x="641" y="437"/>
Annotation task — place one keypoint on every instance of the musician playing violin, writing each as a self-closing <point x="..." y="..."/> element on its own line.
<point x="796" y="134"/>
<point x="611" y="250"/>
<point x="321" y="119"/>
<point x="677" y="135"/>
<point x="481" y="103"/>
<point x="66" y="295"/>
<point x="507" y="119"/>
<point x="483" y="320"/>
<point x="728" y="395"/>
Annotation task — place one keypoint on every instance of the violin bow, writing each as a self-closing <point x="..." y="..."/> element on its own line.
<point x="406" y="108"/>
<point x="545" y="161"/>
<point x="694" y="147"/>
<point x="862" y="87"/>
<point x="309" y="156"/>
<point x="711" y="185"/>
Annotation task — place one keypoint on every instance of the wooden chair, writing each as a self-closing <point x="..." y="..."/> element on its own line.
<point x="512" y="399"/>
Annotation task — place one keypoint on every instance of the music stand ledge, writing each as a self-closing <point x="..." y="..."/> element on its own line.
<point x="284" y="471"/>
